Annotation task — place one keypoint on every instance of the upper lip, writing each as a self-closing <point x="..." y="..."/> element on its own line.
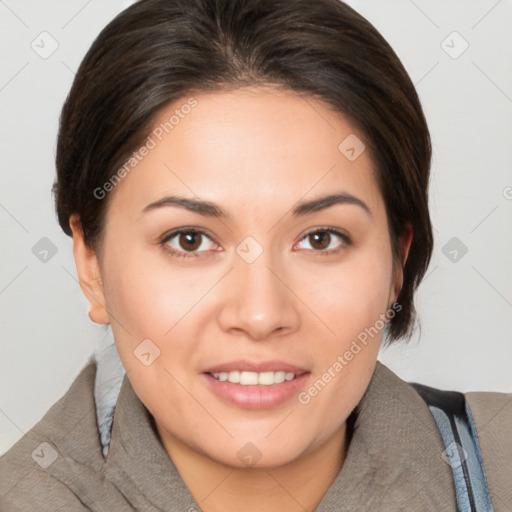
<point x="255" y="366"/>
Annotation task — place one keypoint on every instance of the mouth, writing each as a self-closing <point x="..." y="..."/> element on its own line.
<point x="252" y="385"/>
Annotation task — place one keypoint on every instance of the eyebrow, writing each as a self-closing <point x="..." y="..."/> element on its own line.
<point x="209" y="209"/>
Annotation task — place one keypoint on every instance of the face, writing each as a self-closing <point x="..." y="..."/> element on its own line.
<point x="245" y="245"/>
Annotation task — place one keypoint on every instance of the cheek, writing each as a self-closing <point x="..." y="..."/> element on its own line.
<point x="352" y="304"/>
<point x="149" y="300"/>
<point x="350" y="301"/>
<point x="351" y="296"/>
<point x="147" y="293"/>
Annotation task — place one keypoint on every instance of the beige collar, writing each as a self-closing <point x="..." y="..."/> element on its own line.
<point x="393" y="462"/>
<point x="394" y="458"/>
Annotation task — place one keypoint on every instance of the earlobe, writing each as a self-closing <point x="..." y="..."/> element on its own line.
<point x="89" y="275"/>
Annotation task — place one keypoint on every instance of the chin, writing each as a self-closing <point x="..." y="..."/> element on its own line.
<point x="257" y="454"/>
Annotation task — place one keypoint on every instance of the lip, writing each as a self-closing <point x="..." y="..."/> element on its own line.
<point x="249" y="365"/>
<point x="255" y="396"/>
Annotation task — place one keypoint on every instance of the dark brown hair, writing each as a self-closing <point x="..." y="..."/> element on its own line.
<point x="157" y="51"/>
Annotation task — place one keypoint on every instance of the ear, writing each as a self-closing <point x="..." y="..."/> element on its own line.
<point x="404" y="247"/>
<point x="89" y="275"/>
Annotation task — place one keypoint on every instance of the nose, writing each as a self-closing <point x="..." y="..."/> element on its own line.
<point x="259" y="304"/>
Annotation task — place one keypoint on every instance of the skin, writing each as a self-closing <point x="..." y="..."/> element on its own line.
<point x="256" y="152"/>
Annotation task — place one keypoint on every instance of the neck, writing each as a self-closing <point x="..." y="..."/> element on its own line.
<point x="296" y="486"/>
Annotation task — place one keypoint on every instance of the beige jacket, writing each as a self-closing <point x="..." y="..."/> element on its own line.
<point x="393" y="462"/>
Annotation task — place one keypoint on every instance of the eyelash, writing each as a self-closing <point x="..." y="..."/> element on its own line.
<point x="186" y="255"/>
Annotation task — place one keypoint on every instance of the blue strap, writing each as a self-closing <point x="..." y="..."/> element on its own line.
<point x="457" y="427"/>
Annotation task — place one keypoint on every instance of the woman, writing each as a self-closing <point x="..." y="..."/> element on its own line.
<point x="245" y="183"/>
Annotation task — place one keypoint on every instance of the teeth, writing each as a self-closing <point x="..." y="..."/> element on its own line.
<point x="279" y="377"/>
<point x="234" y="377"/>
<point x="266" y="378"/>
<point x="248" y="378"/>
<point x="254" y="378"/>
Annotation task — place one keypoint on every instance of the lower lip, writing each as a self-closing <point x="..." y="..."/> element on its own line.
<point x="256" y="397"/>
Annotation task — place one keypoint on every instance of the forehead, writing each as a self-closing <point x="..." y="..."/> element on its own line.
<point x="250" y="146"/>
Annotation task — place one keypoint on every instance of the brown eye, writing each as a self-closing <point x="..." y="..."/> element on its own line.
<point x="324" y="240"/>
<point x="189" y="241"/>
<point x="320" y="239"/>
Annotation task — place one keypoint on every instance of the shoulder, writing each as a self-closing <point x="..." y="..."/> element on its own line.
<point x="492" y="415"/>
<point x="33" y="473"/>
<point x="481" y="423"/>
<point x="491" y="410"/>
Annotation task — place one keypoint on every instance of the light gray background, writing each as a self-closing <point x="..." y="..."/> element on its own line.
<point x="465" y="306"/>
